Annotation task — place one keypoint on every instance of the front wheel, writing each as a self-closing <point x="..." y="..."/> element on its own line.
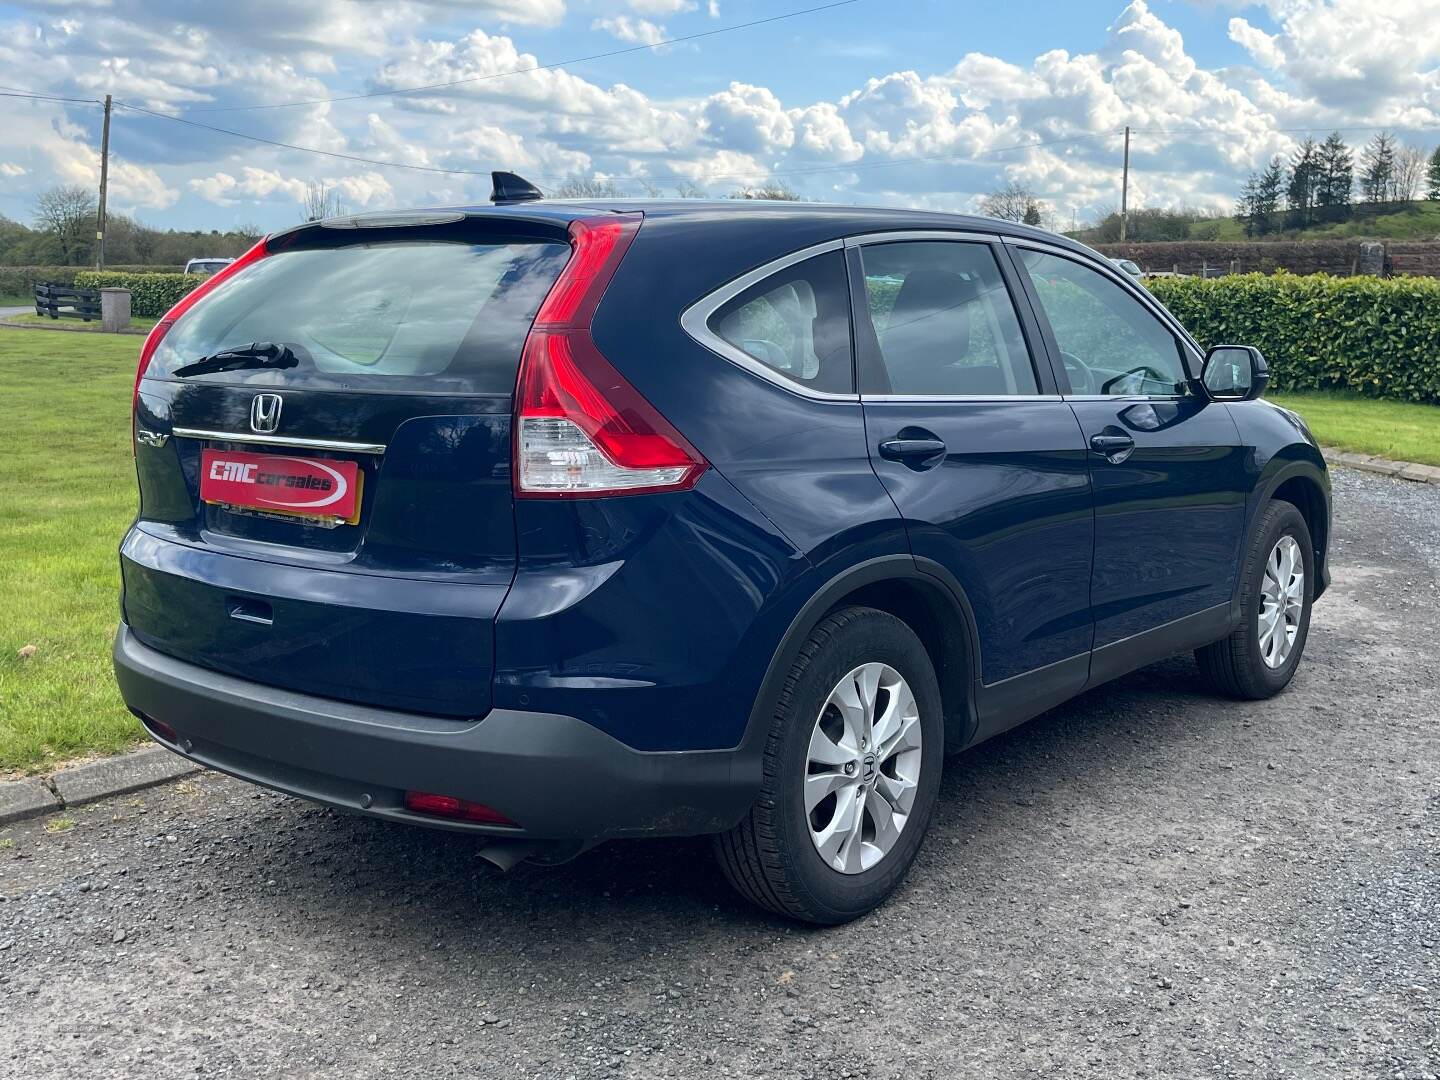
<point x="851" y="773"/>
<point x="1258" y="659"/>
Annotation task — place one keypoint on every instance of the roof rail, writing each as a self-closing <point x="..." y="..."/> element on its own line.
<point x="510" y="188"/>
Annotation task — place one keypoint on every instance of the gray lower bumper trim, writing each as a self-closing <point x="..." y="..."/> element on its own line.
<point x="559" y="777"/>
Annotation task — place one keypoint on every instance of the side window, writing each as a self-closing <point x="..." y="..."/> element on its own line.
<point x="944" y="321"/>
<point x="1109" y="342"/>
<point x="797" y="323"/>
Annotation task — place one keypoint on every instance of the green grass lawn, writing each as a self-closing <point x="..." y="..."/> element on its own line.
<point x="67" y="492"/>
<point x="74" y="324"/>
<point x="1392" y="429"/>
<point x="16" y="300"/>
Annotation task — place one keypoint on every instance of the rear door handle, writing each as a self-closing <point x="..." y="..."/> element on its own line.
<point x="911" y="452"/>
<point x="1115" y="448"/>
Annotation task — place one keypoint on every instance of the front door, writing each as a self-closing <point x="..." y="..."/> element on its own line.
<point x="1166" y="463"/>
<point x="985" y="461"/>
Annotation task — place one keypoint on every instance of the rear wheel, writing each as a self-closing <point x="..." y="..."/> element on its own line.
<point x="851" y="773"/>
<point x="1258" y="659"/>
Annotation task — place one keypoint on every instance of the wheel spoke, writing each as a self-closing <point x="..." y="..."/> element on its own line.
<point x="887" y="829"/>
<point x="900" y="794"/>
<point x="819" y="785"/>
<point x="899" y="706"/>
<point x="834" y="836"/>
<point x="824" y="751"/>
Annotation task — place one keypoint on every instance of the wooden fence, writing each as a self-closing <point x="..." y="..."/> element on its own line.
<point x="67" y="302"/>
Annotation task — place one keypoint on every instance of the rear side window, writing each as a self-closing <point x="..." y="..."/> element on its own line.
<point x="439" y="317"/>
<point x="796" y="322"/>
<point x="944" y="322"/>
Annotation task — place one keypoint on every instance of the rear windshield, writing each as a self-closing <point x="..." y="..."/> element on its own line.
<point x="437" y="317"/>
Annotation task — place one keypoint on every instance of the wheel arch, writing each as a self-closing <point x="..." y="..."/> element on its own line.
<point x="1305" y="486"/>
<point x="921" y="594"/>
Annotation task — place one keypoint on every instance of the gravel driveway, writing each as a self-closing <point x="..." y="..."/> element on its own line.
<point x="1145" y="882"/>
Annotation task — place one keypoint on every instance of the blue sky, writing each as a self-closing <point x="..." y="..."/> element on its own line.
<point x="905" y="102"/>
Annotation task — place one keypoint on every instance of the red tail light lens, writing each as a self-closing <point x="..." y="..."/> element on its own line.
<point x="186" y="302"/>
<point x="581" y="429"/>
<point x="447" y="806"/>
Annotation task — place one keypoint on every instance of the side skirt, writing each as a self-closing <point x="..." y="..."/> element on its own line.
<point x="1009" y="703"/>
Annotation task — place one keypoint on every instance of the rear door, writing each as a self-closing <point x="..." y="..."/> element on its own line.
<point x="984" y="460"/>
<point x="400" y="351"/>
<point x="1166" y="462"/>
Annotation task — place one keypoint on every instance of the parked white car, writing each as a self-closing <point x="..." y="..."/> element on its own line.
<point x="206" y="266"/>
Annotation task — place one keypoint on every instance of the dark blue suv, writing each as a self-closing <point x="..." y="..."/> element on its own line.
<point x="559" y="522"/>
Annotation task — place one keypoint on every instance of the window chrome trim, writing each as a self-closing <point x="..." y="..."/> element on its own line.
<point x="695" y="321"/>
<point x="280" y="440"/>
<point x="901" y="235"/>
<point x="962" y="398"/>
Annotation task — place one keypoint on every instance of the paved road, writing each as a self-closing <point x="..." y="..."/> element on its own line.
<point x="1147" y="882"/>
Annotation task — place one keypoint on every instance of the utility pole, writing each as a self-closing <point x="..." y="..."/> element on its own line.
<point x="1124" y="187"/>
<point x="104" y="182"/>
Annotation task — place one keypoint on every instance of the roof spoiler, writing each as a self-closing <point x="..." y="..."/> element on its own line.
<point x="509" y="188"/>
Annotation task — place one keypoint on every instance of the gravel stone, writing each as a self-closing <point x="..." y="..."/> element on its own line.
<point x="1119" y="888"/>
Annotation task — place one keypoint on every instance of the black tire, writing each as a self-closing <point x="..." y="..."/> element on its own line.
<point x="1234" y="665"/>
<point x="770" y="857"/>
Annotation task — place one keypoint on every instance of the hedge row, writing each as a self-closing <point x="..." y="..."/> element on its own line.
<point x="21" y="280"/>
<point x="1368" y="335"/>
<point x="151" y="295"/>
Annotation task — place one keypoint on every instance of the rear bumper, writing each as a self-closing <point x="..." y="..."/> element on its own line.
<point x="558" y="777"/>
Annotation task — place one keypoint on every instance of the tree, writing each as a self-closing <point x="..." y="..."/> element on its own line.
<point x="1268" y="189"/>
<point x="1432" y="177"/>
<point x="322" y="201"/>
<point x="1409" y="172"/>
<point x="1300" y="193"/>
<point x="773" y="190"/>
<point x="688" y="190"/>
<point x="1377" y="168"/>
<point x="1245" y="204"/>
<point x="1034" y="214"/>
<point x="583" y="187"/>
<point x="1009" y="203"/>
<point x="1336" y="179"/>
<point x="67" y="216"/>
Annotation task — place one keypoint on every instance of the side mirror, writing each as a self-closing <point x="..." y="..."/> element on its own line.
<point x="1235" y="373"/>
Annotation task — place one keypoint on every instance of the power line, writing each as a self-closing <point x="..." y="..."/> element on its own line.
<point x="537" y="67"/>
<point x="852" y="166"/>
<point x="30" y="95"/>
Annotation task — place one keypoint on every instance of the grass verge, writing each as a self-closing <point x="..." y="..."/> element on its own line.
<point x="73" y="324"/>
<point x="67" y="491"/>
<point x="1401" y="430"/>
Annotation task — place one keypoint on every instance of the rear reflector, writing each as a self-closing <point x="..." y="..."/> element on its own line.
<point x="581" y="429"/>
<point x="447" y="806"/>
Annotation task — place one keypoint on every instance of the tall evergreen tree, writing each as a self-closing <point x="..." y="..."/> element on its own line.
<point x="1245" y="204"/>
<point x="1268" y="190"/>
<point x="1432" y="177"/>
<point x="1377" y="168"/>
<point x="1300" y="193"/>
<point x="1336" y="178"/>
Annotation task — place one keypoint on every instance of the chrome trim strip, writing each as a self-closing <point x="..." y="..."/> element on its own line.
<point x="897" y="235"/>
<point x="281" y="440"/>
<point x="1130" y="397"/>
<point x="997" y="398"/>
<point x="695" y="321"/>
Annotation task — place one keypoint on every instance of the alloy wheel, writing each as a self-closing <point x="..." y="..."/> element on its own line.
<point x="863" y="768"/>
<point x="1282" y="601"/>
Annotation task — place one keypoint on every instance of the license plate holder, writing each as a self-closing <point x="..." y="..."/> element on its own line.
<point x="320" y="490"/>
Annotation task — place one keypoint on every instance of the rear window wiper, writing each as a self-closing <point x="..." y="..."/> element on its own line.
<point x="258" y="354"/>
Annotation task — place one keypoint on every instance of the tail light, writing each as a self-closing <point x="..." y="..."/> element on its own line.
<point x="447" y="806"/>
<point x="581" y="429"/>
<point x="186" y="302"/>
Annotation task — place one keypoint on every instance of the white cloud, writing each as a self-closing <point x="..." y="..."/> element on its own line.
<point x="12" y="170"/>
<point x="630" y="29"/>
<point x="929" y="136"/>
